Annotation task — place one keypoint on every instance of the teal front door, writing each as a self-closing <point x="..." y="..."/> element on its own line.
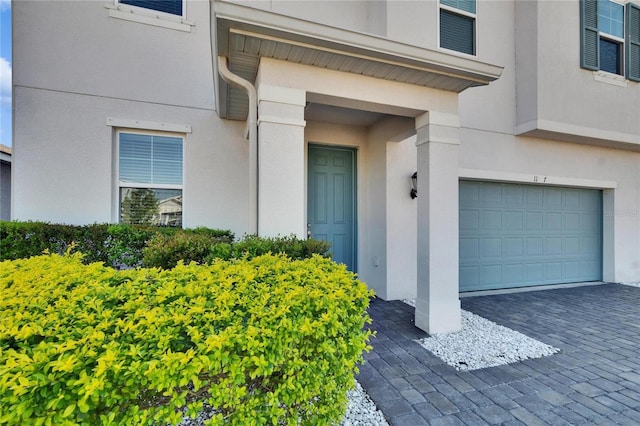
<point x="331" y="190"/>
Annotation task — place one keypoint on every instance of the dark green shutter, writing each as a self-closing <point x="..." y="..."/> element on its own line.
<point x="589" y="38"/>
<point x="633" y="42"/>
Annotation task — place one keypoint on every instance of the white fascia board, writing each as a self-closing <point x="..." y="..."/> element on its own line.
<point x="376" y="48"/>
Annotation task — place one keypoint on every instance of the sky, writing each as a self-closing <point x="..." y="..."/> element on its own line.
<point x="5" y="72"/>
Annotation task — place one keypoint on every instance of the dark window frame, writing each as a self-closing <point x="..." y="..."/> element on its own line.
<point x="448" y="40"/>
<point x="168" y="7"/>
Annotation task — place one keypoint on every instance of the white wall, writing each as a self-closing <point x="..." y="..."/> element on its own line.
<point x="70" y="78"/>
<point x="357" y="15"/>
<point x="64" y="167"/>
<point x="401" y="220"/>
<point x="569" y="100"/>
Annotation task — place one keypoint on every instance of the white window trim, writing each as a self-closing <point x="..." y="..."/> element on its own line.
<point x="616" y="39"/>
<point x="475" y="29"/>
<point x="148" y="126"/>
<point x="119" y="185"/>
<point x="150" y="16"/>
<point x="610" y="78"/>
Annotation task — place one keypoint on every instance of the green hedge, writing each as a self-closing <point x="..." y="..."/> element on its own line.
<point x="165" y="251"/>
<point x="263" y="341"/>
<point x="116" y="245"/>
<point x="120" y="245"/>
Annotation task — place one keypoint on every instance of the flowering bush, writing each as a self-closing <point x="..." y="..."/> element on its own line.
<point x="266" y="340"/>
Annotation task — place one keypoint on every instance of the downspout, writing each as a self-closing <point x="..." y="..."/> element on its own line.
<point x="251" y="131"/>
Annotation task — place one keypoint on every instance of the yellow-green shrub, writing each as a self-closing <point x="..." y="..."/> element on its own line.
<point x="263" y="341"/>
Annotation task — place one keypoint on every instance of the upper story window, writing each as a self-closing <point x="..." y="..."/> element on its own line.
<point x="150" y="179"/>
<point x="610" y="37"/>
<point x="458" y="25"/>
<point x="173" y="7"/>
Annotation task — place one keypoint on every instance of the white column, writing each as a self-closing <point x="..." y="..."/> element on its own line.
<point x="438" y="303"/>
<point x="281" y="161"/>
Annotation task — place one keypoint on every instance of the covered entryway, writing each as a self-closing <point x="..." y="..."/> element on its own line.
<point x="331" y="190"/>
<point x="517" y="235"/>
<point x="273" y="68"/>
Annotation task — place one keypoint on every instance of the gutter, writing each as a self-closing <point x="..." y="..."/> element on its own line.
<point x="250" y="132"/>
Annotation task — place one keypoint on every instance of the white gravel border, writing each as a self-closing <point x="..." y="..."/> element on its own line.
<point x="361" y="410"/>
<point x="481" y="343"/>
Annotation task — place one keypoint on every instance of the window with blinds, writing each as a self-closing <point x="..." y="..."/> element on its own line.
<point x="150" y="179"/>
<point x="458" y="25"/>
<point x="173" y="7"/>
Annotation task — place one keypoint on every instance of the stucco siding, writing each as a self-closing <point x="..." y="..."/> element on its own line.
<point x="75" y="46"/>
<point x="64" y="167"/>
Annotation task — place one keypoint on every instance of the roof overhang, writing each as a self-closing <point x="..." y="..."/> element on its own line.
<point x="246" y="34"/>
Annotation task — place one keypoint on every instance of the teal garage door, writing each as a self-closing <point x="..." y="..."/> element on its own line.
<point x="515" y="235"/>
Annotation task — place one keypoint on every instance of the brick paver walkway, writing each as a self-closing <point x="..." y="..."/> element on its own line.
<point x="595" y="379"/>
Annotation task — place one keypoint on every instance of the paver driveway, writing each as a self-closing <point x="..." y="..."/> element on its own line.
<point x="595" y="379"/>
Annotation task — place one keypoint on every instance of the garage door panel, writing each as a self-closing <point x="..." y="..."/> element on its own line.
<point x="534" y="273"/>
<point x="470" y="276"/>
<point x="571" y="246"/>
<point x="513" y="247"/>
<point x="513" y="221"/>
<point x="552" y="272"/>
<point x="491" y="220"/>
<point x="514" y="196"/>
<point x="552" y="198"/>
<point x="552" y="246"/>
<point x="571" y="199"/>
<point x="590" y="221"/>
<point x="533" y="221"/>
<point x="469" y="248"/>
<point x="571" y="222"/>
<point x="589" y="247"/>
<point x="469" y="220"/>
<point x="514" y="235"/>
<point x="590" y="267"/>
<point x="535" y="246"/>
<point x="490" y="275"/>
<point x="534" y="197"/>
<point x="513" y="274"/>
<point x="553" y="221"/>
<point x="491" y="196"/>
<point x="470" y="195"/>
<point x="491" y="248"/>
<point x="571" y="270"/>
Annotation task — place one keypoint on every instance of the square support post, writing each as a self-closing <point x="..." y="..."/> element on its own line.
<point x="438" y="303"/>
<point x="281" y="161"/>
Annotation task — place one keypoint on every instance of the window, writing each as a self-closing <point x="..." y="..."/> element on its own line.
<point x="173" y="7"/>
<point x="458" y="25"/>
<point x="610" y="37"/>
<point x="150" y="179"/>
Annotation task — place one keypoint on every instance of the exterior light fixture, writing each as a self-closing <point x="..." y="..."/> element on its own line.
<point x="414" y="183"/>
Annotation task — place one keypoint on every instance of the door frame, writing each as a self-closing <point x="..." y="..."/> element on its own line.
<point x="354" y="188"/>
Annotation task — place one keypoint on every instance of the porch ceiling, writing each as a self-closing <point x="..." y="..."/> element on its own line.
<point x="244" y="35"/>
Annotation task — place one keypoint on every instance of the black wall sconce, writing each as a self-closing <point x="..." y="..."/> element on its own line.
<point x="414" y="182"/>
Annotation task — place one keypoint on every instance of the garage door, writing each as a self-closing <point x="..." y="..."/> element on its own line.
<point x="526" y="235"/>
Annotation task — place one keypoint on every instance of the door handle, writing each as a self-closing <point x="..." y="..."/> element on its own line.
<point x="308" y="231"/>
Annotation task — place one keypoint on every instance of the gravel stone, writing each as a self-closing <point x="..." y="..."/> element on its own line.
<point x="481" y="343"/>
